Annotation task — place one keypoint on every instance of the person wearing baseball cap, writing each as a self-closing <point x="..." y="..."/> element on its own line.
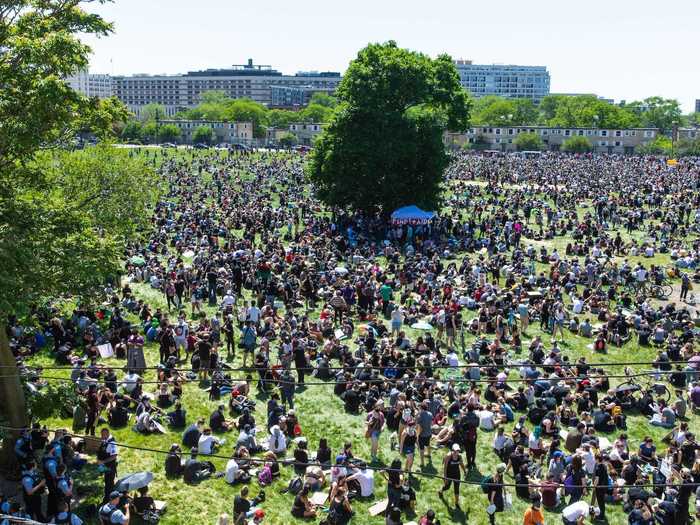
<point x="452" y="465"/>
<point x="110" y="512"/>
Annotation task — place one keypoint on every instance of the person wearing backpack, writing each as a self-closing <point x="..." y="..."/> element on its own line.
<point x="110" y="513"/>
<point x="248" y="340"/>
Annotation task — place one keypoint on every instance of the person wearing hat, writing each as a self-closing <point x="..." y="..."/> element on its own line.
<point x="111" y="512"/>
<point x="496" y="492"/>
<point x="452" y="465"/>
<point x="533" y="515"/>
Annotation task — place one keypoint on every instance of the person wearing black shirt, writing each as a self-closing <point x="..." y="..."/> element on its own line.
<point x="301" y="457"/>
<point x="685" y="489"/>
<point x="323" y="454"/>
<point x="352" y="399"/>
<point x="522" y="483"/>
<point x="217" y="420"/>
<point x="603" y="421"/>
<point x="190" y="438"/>
<point x="196" y="470"/>
<point x="601" y="484"/>
<point x="173" y="462"/>
<point x="241" y="506"/>
<point x="178" y="417"/>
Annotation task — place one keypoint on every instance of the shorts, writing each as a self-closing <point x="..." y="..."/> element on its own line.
<point x="249" y="349"/>
<point x="396" y="325"/>
<point x="424" y="441"/>
<point x="375" y="435"/>
<point x="409" y="450"/>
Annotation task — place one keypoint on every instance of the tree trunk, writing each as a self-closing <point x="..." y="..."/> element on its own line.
<point x="12" y="404"/>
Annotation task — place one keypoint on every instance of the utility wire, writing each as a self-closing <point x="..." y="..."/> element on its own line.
<point x="261" y="461"/>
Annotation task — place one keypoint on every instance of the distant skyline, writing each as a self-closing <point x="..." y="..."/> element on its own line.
<point x="620" y="49"/>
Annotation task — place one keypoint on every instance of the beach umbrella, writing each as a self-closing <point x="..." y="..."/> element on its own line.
<point x="137" y="260"/>
<point x="422" y="325"/>
<point x="341" y="270"/>
<point x="134" y="481"/>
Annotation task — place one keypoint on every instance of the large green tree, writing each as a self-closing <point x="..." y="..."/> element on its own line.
<point x="528" y="142"/>
<point x="657" y="112"/>
<point x="203" y="134"/>
<point x="153" y="112"/>
<point x="383" y="146"/>
<point x="51" y="239"/>
<point x="169" y="133"/>
<point x="577" y="145"/>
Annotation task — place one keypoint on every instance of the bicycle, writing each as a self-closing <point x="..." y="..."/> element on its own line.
<point x="645" y="383"/>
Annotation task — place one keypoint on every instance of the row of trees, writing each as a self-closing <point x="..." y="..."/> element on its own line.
<point x="583" y="111"/>
<point x="217" y="106"/>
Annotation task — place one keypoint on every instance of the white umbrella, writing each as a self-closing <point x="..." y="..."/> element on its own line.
<point x="341" y="270"/>
<point x="422" y="325"/>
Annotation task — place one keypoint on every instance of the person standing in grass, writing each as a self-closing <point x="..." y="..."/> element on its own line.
<point x="375" y="424"/>
<point x="452" y="465"/>
<point x="424" y="420"/>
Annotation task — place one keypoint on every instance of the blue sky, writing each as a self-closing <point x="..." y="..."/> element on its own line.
<point x="621" y="49"/>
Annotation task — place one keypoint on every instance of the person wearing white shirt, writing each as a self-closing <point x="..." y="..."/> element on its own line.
<point x="588" y="458"/>
<point x="232" y="471"/>
<point x="253" y="313"/>
<point x="486" y="420"/>
<point x="277" y="440"/>
<point x="577" y="305"/>
<point x="130" y="380"/>
<point x="229" y="300"/>
<point x="365" y="478"/>
<point x="207" y="443"/>
<point x="576" y="513"/>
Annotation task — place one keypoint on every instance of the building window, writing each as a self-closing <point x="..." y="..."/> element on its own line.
<point x="648" y="134"/>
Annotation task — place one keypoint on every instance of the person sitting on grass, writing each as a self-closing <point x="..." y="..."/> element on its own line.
<point x="302" y="508"/>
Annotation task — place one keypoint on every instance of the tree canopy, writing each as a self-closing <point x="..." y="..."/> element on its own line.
<point x="577" y="145"/>
<point x="383" y="146"/>
<point x="62" y="215"/>
<point x="528" y="142"/>
<point x="203" y="134"/>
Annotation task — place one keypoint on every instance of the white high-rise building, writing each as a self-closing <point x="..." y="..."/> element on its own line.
<point x="91" y="85"/>
<point x="507" y="81"/>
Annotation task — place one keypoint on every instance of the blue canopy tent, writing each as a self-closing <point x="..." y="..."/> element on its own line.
<point x="412" y="215"/>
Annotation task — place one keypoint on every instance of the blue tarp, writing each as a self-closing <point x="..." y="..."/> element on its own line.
<point x="412" y="214"/>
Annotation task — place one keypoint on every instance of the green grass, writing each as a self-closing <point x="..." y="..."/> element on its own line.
<point x="321" y="416"/>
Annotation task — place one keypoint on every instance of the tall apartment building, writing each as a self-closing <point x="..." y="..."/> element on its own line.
<point x="294" y="96"/>
<point x="504" y="80"/>
<point x="91" y="85"/>
<point x="241" y="81"/>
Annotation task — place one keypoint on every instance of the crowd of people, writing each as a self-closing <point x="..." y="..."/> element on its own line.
<point x="439" y="335"/>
